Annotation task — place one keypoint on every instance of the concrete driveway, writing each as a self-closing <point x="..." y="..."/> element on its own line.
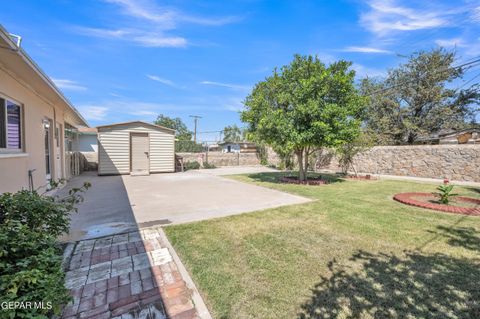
<point x="117" y="204"/>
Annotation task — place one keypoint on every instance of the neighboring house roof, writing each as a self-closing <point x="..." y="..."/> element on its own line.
<point x="455" y="133"/>
<point x="88" y="130"/>
<point x="239" y="143"/>
<point x="20" y="58"/>
<point x="447" y="133"/>
<point x="139" y="122"/>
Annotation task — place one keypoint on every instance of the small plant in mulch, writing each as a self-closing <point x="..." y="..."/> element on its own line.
<point x="443" y="200"/>
<point x="445" y="193"/>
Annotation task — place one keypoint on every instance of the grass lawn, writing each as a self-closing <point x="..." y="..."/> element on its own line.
<point x="353" y="252"/>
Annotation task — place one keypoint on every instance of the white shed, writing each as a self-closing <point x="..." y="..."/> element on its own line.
<point x="136" y="148"/>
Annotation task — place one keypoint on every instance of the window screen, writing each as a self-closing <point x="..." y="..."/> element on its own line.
<point x="3" y="123"/>
<point x="14" y="137"/>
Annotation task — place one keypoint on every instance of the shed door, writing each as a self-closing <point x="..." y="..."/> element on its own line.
<point x="139" y="154"/>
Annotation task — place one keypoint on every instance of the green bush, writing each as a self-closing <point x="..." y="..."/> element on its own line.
<point x="192" y="165"/>
<point x="30" y="260"/>
<point x="209" y="166"/>
<point x="188" y="147"/>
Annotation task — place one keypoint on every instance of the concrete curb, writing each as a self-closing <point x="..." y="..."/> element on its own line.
<point x="202" y="309"/>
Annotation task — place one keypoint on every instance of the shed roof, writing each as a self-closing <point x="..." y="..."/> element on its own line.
<point x="139" y="122"/>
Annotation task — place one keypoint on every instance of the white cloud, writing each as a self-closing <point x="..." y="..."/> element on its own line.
<point x="156" y="40"/>
<point x="227" y="85"/>
<point x="94" y="112"/>
<point x="448" y="43"/>
<point x="144" y="113"/>
<point x="151" y="24"/>
<point x="104" y="33"/>
<point x="159" y="79"/>
<point x="475" y="16"/>
<point x="138" y="36"/>
<point x="167" y="18"/>
<point x="65" y="84"/>
<point x="364" y="71"/>
<point x="386" y="16"/>
<point x="366" y="50"/>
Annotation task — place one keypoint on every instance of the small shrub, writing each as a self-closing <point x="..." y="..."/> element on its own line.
<point x="192" y="165"/>
<point x="445" y="193"/>
<point x="208" y="165"/>
<point x="188" y="147"/>
<point x="30" y="260"/>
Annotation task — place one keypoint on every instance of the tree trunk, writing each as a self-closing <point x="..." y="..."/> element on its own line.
<point x="306" y="162"/>
<point x="301" y="169"/>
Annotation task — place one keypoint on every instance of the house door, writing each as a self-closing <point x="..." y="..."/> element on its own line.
<point x="139" y="154"/>
<point x="48" y="149"/>
<point x="58" y="151"/>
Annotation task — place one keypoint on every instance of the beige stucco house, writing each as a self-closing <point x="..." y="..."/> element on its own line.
<point x="37" y="123"/>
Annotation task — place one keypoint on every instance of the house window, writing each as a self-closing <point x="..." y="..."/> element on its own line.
<point x="10" y="125"/>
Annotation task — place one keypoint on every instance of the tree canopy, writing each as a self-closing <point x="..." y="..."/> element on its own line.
<point x="419" y="98"/>
<point x="182" y="133"/>
<point x="232" y="133"/>
<point x="304" y="106"/>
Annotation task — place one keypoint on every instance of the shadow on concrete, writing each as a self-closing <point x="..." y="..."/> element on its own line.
<point x="119" y="268"/>
<point x="106" y="201"/>
<point x="385" y="285"/>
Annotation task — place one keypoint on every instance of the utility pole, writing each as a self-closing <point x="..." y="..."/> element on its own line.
<point x="195" y="118"/>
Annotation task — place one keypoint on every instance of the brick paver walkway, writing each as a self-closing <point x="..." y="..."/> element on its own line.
<point x="130" y="275"/>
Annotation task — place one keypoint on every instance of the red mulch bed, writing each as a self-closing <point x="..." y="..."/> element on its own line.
<point x="409" y="199"/>
<point x="361" y="178"/>
<point x="309" y="181"/>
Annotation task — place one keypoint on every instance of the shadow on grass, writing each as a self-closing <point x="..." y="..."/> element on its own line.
<point x="274" y="177"/>
<point x="414" y="285"/>
<point x="474" y="189"/>
<point x="466" y="237"/>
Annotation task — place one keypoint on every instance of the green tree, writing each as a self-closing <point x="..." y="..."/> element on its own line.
<point x="232" y="133"/>
<point x="182" y="133"/>
<point x="346" y="152"/>
<point x="417" y="99"/>
<point x="304" y="106"/>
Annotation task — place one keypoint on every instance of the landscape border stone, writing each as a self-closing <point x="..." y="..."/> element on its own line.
<point x="407" y="198"/>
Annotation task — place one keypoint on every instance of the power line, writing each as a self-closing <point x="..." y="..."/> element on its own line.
<point x="476" y="60"/>
<point x="464" y="84"/>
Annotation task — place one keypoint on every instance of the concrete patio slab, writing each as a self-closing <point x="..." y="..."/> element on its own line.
<point x="116" y="204"/>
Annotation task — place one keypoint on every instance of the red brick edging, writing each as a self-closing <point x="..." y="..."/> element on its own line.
<point x="407" y="198"/>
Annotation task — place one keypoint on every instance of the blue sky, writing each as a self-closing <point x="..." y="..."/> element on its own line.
<point x="119" y="60"/>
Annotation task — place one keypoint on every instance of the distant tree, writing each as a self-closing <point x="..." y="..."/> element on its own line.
<point x="417" y="99"/>
<point x="232" y="133"/>
<point x="181" y="131"/>
<point x="305" y="106"/>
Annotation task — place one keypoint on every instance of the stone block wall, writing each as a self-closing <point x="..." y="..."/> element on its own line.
<point x="456" y="162"/>
<point x="222" y="159"/>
